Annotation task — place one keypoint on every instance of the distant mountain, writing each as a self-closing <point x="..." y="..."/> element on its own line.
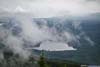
<point x="87" y="38"/>
<point x="84" y="31"/>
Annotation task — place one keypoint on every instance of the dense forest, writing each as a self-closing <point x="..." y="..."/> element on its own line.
<point x="11" y="60"/>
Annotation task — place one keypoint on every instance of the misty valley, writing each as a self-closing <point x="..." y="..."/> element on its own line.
<point x="50" y="42"/>
<point x="49" y="33"/>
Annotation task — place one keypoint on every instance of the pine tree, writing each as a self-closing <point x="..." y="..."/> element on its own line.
<point x="65" y="65"/>
<point x="42" y="62"/>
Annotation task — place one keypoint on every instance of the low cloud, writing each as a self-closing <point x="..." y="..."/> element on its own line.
<point x="33" y="33"/>
<point x="15" y="44"/>
<point x="54" y="46"/>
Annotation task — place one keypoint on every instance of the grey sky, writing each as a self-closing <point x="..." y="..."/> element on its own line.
<point x="51" y="7"/>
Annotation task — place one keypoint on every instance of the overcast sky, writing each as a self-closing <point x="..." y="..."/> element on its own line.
<point x="51" y="7"/>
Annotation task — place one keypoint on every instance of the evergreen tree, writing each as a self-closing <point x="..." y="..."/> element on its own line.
<point x="42" y="62"/>
<point x="65" y="65"/>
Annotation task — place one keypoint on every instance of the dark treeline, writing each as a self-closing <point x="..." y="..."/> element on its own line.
<point x="11" y="60"/>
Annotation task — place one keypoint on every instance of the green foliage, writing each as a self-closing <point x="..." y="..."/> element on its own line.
<point x="42" y="62"/>
<point x="65" y="65"/>
<point x="12" y="60"/>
